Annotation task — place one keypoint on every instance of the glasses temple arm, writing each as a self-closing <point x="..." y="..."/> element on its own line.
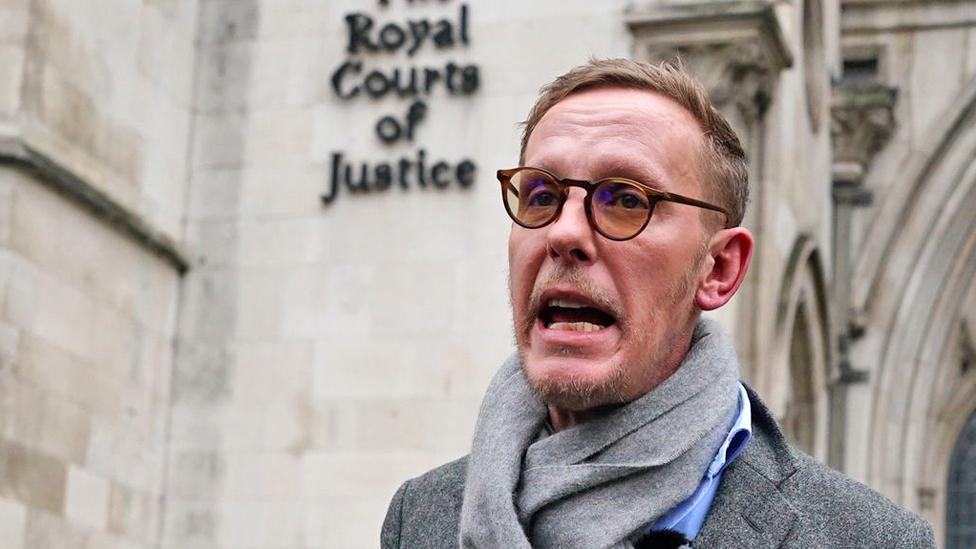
<point x="693" y="202"/>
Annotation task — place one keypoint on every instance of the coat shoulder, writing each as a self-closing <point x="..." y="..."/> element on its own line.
<point x="846" y="509"/>
<point x="425" y="511"/>
<point x="775" y="489"/>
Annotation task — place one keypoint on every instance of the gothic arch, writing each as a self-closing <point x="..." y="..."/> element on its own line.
<point x="800" y="372"/>
<point x="913" y="284"/>
<point x="928" y="177"/>
<point x="913" y="352"/>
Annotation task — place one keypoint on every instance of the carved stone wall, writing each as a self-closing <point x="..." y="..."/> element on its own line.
<point x="908" y="190"/>
<point x="95" y="102"/>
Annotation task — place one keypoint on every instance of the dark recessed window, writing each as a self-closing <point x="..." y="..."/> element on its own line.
<point x="961" y="491"/>
<point x="861" y="70"/>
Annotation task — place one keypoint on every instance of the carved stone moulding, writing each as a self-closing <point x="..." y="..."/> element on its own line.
<point x="735" y="47"/>
<point x="861" y="121"/>
<point x="16" y="153"/>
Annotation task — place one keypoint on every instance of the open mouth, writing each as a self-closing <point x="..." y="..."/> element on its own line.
<point x="570" y="315"/>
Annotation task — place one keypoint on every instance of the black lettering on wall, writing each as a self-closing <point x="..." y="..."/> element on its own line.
<point x="384" y="177"/>
<point x="464" y="24"/>
<point x="358" y="25"/>
<point x="416" y="113"/>
<point x="355" y="176"/>
<point x="419" y="31"/>
<point x="437" y="171"/>
<point x="388" y="129"/>
<point x="369" y="35"/>
<point x="392" y="36"/>
<point x="339" y="76"/>
<point x="469" y="79"/>
<point x="465" y="173"/>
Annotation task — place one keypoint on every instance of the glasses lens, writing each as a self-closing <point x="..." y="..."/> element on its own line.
<point x="533" y="197"/>
<point x="620" y="209"/>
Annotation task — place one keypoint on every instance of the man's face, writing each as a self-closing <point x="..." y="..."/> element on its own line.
<point x="638" y="294"/>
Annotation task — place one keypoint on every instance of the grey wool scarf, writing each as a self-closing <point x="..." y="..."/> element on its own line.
<point x="598" y="484"/>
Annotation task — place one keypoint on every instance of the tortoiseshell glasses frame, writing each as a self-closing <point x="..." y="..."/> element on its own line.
<point x="534" y="198"/>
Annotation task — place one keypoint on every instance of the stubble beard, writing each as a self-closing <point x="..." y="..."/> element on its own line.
<point x="617" y="387"/>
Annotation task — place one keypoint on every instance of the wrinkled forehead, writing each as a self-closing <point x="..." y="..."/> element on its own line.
<point x="632" y="133"/>
<point x="626" y="111"/>
<point x="622" y="104"/>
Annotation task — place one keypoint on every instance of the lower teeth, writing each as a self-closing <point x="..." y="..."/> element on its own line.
<point x="576" y="326"/>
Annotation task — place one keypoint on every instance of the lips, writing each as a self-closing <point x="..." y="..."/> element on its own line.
<point x="574" y="314"/>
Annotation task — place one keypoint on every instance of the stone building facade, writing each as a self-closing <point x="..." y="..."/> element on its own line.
<point x="253" y="267"/>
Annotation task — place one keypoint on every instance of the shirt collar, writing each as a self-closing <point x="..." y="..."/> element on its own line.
<point x="688" y="516"/>
<point x="739" y="434"/>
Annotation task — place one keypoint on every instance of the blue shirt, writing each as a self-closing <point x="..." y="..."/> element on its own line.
<point x="689" y="515"/>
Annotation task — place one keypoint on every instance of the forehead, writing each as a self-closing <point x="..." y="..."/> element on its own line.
<point x="606" y="130"/>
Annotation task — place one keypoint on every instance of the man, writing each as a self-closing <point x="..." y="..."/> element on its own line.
<point x="620" y="422"/>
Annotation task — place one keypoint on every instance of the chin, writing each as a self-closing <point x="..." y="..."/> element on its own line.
<point x="574" y="383"/>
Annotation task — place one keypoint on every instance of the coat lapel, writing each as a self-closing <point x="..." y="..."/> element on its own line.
<point x="749" y="510"/>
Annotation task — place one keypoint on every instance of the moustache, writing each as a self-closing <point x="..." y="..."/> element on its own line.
<point x="575" y="277"/>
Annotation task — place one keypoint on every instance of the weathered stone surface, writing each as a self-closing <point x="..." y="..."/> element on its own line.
<point x="86" y="499"/>
<point x="31" y="477"/>
<point x="9" y="343"/>
<point x="11" y="72"/>
<point x="46" y="529"/>
<point x="93" y="78"/>
<point x="13" y="523"/>
<point x="86" y="317"/>
<point x="190" y="524"/>
<point x="132" y="513"/>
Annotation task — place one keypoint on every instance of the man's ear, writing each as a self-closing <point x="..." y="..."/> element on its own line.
<point x="729" y="253"/>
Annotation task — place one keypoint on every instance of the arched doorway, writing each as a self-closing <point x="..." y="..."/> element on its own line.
<point x="913" y="284"/>
<point x="800" y="419"/>
<point x="798" y="379"/>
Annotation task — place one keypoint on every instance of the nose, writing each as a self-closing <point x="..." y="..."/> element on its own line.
<point x="570" y="238"/>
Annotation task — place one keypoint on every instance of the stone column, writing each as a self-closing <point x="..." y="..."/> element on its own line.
<point x="862" y="120"/>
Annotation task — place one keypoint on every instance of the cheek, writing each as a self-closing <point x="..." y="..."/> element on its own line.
<point x="521" y="269"/>
<point x="643" y="284"/>
<point x="637" y="270"/>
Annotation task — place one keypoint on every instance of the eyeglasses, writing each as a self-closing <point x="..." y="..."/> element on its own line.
<point x="617" y="208"/>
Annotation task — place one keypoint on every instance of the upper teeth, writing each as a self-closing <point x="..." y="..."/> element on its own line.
<point x="565" y="303"/>
<point x="576" y="326"/>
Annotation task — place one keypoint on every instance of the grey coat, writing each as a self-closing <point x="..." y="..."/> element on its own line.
<point x="772" y="496"/>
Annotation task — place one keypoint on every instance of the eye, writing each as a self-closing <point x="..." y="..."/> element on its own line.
<point x="621" y="196"/>
<point x="540" y="193"/>
<point x="542" y="198"/>
<point x="630" y="201"/>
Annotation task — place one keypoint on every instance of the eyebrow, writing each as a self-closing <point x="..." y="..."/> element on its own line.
<point x="613" y="168"/>
<point x="619" y="168"/>
<point x="641" y="176"/>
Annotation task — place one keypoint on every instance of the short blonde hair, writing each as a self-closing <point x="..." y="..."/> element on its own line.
<point x="724" y="166"/>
